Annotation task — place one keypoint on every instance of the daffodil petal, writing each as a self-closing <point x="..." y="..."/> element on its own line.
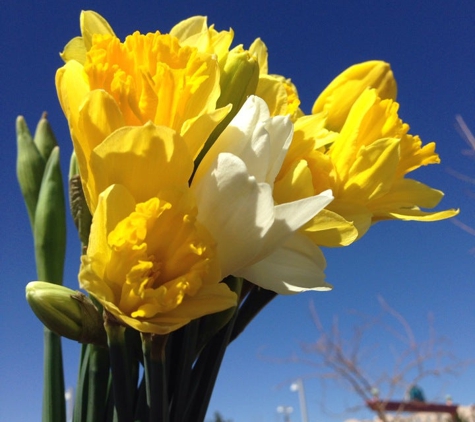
<point x="261" y="142"/>
<point x="93" y="23"/>
<point x="296" y="266"/>
<point x="372" y="173"/>
<point x="418" y="215"/>
<point x="145" y="159"/>
<point x="330" y="229"/>
<point x="115" y="203"/>
<point x="74" y="50"/>
<point x="290" y="217"/>
<point x="235" y="209"/>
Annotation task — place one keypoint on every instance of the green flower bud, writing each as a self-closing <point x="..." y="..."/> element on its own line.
<point x="44" y="138"/>
<point x="30" y="167"/>
<point x="66" y="312"/>
<point x="238" y="79"/>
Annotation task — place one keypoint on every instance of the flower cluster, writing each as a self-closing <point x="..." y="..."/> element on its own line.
<point x="200" y="190"/>
<point x="196" y="164"/>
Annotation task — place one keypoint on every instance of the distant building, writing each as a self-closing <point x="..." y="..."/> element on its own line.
<point x="465" y="413"/>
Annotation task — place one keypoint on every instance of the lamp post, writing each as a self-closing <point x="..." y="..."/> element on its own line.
<point x="298" y="386"/>
<point x="286" y="410"/>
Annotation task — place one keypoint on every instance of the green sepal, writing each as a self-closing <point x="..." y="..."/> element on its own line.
<point x="77" y="202"/>
<point x="50" y="223"/>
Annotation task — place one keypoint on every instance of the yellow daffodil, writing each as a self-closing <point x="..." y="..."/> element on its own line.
<point x="147" y="78"/>
<point x="365" y="166"/>
<point x="149" y="261"/>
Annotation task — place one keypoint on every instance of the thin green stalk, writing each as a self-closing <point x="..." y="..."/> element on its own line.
<point x="155" y="377"/>
<point x="80" y="402"/>
<point x="122" y="388"/>
<point x="54" y="407"/>
<point x="98" y="380"/>
<point x="205" y="373"/>
<point x="184" y="347"/>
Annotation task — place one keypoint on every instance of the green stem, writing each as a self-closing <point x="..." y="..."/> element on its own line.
<point x="98" y="380"/>
<point x="124" y="392"/>
<point x="155" y="377"/>
<point x="205" y="373"/>
<point x="80" y="402"/>
<point x="184" y="345"/>
<point x="54" y="406"/>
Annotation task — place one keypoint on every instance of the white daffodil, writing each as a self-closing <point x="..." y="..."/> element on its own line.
<point x="233" y="188"/>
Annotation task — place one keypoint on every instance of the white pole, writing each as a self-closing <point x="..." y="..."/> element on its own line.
<point x="298" y="386"/>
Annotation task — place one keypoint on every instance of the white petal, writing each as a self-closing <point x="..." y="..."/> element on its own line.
<point x="259" y="140"/>
<point x="289" y="217"/>
<point x="236" y="210"/>
<point x="295" y="267"/>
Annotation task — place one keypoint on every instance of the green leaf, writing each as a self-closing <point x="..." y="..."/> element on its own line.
<point x="50" y="223"/>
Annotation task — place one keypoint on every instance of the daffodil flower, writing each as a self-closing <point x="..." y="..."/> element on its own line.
<point x="365" y="165"/>
<point x="147" y="78"/>
<point x="149" y="261"/>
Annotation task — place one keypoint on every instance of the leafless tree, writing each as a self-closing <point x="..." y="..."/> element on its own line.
<point x="467" y="135"/>
<point x="349" y="363"/>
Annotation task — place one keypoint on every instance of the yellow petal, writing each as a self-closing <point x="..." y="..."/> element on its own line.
<point x="418" y="215"/>
<point x="372" y="173"/>
<point x="259" y="50"/>
<point x="407" y="193"/>
<point x="339" y="96"/>
<point x="195" y="32"/>
<point x="329" y="229"/>
<point x="93" y="23"/>
<point x="414" y="155"/>
<point x="196" y="131"/>
<point x="145" y="159"/>
<point x="74" y="50"/>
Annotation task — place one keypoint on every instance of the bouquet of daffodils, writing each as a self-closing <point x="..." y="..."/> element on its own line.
<point x="200" y="191"/>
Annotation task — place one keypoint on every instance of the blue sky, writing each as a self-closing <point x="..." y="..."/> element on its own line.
<point x="417" y="268"/>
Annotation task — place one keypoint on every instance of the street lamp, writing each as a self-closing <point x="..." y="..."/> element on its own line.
<point x="298" y="386"/>
<point x="286" y="410"/>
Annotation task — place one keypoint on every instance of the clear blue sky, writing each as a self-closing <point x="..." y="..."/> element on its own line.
<point x="417" y="268"/>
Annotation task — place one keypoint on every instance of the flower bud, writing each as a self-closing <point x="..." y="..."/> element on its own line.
<point x="340" y="95"/>
<point x="30" y="167"/>
<point x="44" y="138"/>
<point x="238" y="79"/>
<point x="66" y="312"/>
